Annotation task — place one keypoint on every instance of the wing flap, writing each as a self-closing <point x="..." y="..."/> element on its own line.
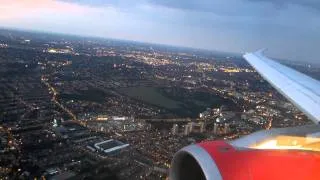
<point x="300" y="89"/>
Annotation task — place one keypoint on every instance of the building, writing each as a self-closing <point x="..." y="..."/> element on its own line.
<point x="215" y="128"/>
<point x="194" y="127"/>
<point x="103" y="118"/>
<point x="110" y="147"/>
<point x="226" y="128"/>
<point x="221" y="128"/>
<point x="205" y="113"/>
<point x="175" y="129"/>
<point x="187" y="129"/>
<point x="202" y="127"/>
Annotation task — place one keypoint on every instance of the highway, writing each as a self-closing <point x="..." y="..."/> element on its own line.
<point x="55" y="100"/>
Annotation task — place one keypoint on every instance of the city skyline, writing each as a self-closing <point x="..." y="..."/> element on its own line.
<point x="288" y="29"/>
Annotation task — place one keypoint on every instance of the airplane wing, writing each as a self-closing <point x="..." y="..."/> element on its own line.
<point x="303" y="91"/>
<point x="296" y="148"/>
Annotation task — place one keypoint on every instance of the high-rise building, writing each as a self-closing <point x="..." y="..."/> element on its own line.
<point x="202" y="127"/>
<point x="215" y="128"/>
<point x="194" y="127"/>
<point x="175" y="129"/>
<point x="187" y="129"/>
<point x="226" y="128"/>
<point x="191" y="126"/>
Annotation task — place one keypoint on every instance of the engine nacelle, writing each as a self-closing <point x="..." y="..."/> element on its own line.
<point x="219" y="160"/>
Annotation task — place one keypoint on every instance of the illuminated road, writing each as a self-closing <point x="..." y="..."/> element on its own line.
<point x="54" y="99"/>
<point x="12" y="142"/>
<point x="269" y="124"/>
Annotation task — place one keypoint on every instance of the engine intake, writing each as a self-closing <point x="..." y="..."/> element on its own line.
<point x="216" y="160"/>
<point x="193" y="162"/>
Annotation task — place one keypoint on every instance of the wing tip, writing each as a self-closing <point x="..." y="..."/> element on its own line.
<point x="259" y="52"/>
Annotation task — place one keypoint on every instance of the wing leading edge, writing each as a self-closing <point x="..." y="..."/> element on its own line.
<point x="303" y="91"/>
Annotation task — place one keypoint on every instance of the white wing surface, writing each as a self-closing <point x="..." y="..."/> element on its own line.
<point x="302" y="90"/>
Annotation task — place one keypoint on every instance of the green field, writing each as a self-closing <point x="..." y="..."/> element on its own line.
<point x="179" y="101"/>
<point x="92" y="94"/>
<point x="152" y="96"/>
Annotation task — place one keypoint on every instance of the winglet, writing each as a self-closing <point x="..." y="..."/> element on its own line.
<point x="261" y="51"/>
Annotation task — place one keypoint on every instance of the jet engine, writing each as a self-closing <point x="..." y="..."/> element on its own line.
<point x="286" y="153"/>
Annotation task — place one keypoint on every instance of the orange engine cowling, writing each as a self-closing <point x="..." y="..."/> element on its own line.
<point x="214" y="160"/>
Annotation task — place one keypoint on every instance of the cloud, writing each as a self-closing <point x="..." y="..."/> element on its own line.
<point x="314" y="4"/>
<point x="218" y="7"/>
<point x="70" y="17"/>
<point x="289" y="29"/>
<point x="12" y="10"/>
<point x="232" y="6"/>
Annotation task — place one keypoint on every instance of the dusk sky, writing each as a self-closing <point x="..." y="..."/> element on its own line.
<point x="290" y="29"/>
